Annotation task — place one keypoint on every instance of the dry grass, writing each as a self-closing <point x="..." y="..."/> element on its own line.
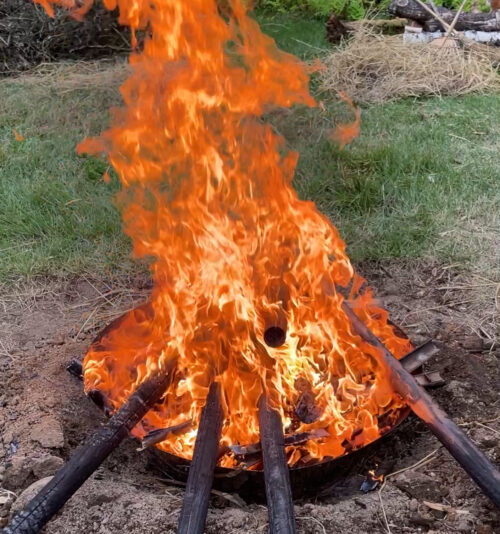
<point x="377" y="68"/>
<point x="64" y="77"/>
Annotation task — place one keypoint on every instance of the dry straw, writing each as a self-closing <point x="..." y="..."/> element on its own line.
<point x="375" y="68"/>
<point x="63" y="77"/>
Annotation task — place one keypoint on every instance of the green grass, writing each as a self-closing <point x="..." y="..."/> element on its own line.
<point x="56" y="214"/>
<point x="423" y="178"/>
<point x="302" y="36"/>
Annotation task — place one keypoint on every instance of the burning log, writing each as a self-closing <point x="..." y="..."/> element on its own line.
<point x="292" y="439"/>
<point x="275" y="336"/>
<point x="458" y="444"/>
<point x="159" y="435"/>
<point x="306" y="409"/>
<point x="75" y="368"/>
<point x="276" y="473"/>
<point x="88" y="458"/>
<point x="201" y="473"/>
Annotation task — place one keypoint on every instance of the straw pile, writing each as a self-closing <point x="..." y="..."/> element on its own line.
<point x="375" y="68"/>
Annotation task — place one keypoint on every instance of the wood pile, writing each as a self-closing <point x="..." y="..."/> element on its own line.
<point x="424" y="22"/>
<point x="416" y="11"/>
<point x="28" y="36"/>
<point x="433" y="24"/>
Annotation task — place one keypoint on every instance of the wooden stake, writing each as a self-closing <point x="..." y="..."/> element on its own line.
<point x="201" y="473"/>
<point x="88" y="458"/>
<point x="458" y="444"/>
<point x="276" y="472"/>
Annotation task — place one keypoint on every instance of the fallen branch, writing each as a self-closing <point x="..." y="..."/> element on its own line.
<point x="442" y="18"/>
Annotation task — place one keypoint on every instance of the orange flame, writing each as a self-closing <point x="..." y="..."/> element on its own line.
<point x="207" y="194"/>
<point x="18" y="136"/>
<point x="345" y="134"/>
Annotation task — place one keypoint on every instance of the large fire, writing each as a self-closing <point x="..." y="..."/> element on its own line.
<point x="207" y="194"/>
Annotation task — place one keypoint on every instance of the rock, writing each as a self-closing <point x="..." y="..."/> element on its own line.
<point x="422" y="520"/>
<point x="58" y="340"/>
<point x="48" y="433"/>
<point x="6" y="500"/>
<point x="46" y="466"/>
<point x="413" y="506"/>
<point x="29" y="493"/>
<point x="17" y="473"/>
<point x="464" y="523"/>
<point x="420" y="486"/>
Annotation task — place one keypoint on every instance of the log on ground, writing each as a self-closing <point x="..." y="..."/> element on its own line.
<point x="410" y="9"/>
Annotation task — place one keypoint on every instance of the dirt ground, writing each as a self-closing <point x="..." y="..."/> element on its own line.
<point x="44" y="414"/>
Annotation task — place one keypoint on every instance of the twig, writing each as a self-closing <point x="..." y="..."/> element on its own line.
<point x="383" y="511"/>
<point x="420" y="463"/>
<point x="445" y="25"/>
<point x="310" y="518"/>
<point x="454" y="22"/>
<point x="489" y="428"/>
<point x="309" y="45"/>
<point x="86" y="321"/>
<point x="99" y="291"/>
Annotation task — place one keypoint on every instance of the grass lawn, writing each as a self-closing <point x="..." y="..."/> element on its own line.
<point x="423" y="178"/>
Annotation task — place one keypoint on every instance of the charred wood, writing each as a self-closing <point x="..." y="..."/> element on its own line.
<point x="336" y="30"/>
<point x="159" y="435"/>
<point x="201" y="473"/>
<point x="276" y="472"/>
<point x="479" y="468"/>
<point x="306" y="408"/>
<point x="289" y="440"/>
<point x="417" y="357"/>
<point x="75" y="368"/>
<point x="88" y="458"/>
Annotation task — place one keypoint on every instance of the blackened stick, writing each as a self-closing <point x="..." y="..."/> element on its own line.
<point x="276" y="471"/>
<point x="87" y="458"/>
<point x="474" y="462"/>
<point x="201" y="473"/>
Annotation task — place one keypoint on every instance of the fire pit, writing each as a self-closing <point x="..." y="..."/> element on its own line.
<point x="260" y="350"/>
<point x="247" y="476"/>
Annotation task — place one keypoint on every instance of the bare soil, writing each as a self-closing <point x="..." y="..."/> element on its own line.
<point x="44" y="415"/>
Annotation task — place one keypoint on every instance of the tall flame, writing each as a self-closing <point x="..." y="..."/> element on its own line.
<point x="207" y="194"/>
